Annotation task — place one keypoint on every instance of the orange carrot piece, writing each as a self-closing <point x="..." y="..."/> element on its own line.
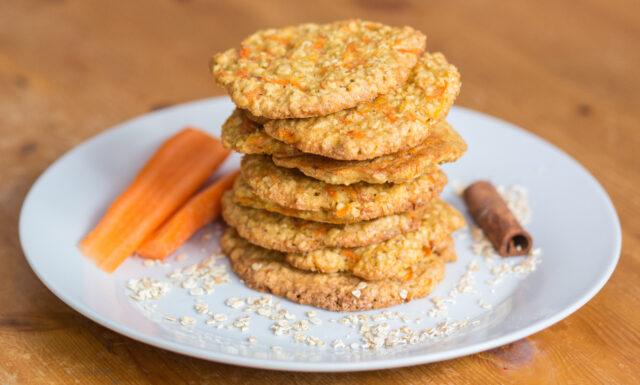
<point x="170" y="177"/>
<point x="197" y="212"/>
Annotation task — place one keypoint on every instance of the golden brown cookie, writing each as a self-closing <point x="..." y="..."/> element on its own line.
<point x="289" y="234"/>
<point x="290" y="188"/>
<point x="442" y="145"/>
<point x="242" y="194"/>
<point x="311" y="70"/>
<point x="393" y="122"/>
<point x="388" y="258"/>
<point x="241" y="134"/>
<point x="265" y="270"/>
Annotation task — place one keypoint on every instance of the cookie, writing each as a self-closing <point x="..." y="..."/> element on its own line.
<point x="311" y="69"/>
<point x="240" y="133"/>
<point x="290" y="188"/>
<point x="442" y="145"/>
<point x="392" y="122"/>
<point x="265" y="270"/>
<point x="289" y="234"/>
<point x="242" y="194"/>
<point x="387" y="259"/>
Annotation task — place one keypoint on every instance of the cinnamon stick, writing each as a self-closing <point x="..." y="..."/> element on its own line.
<point x="491" y="213"/>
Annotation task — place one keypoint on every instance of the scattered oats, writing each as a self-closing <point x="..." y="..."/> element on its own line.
<point x="338" y="344"/>
<point x="191" y="269"/>
<point x="256" y="266"/>
<point x="356" y="293"/>
<point x="486" y="306"/>
<point x="299" y="337"/>
<point x="148" y="262"/>
<point x="169" y="318"/>
<point x="252" y="339"/>
<point x="147" y="288"/>
<point x="417" y="320"/>
<point x="495" y="281"/>
<point x="264" y="311"/>
<point x="181" y="257"/>
<point x="210" y="321"/>
<point x="275" y="348"/>
<point x="189" y="283"/>
<point x="197" y="291"/>
<point x="201" y="308"/>
<point x="219" y="317"/>
<point x="235" y="303"/>
<point x="162" y="263"/>
<point x="473" y="266"/>
<point x="301" y="325"/>
<point x="405" y="319"/>
<point x="315" y="320"/>
<point x="187" y="320"/>
<point x="311" y="313"/>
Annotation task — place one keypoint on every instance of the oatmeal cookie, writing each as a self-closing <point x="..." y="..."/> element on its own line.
<point x="243" y="195"/>
<point x="392" y="122"/>
<point x="442" y="145"/>
<point x="290" y="188"/>
<point x="241" y="134"/>
<point x="311" y="69"/>
<point x="289" y="234"/>
<point x="386" y="259"/>
<point x="265" y="270"/>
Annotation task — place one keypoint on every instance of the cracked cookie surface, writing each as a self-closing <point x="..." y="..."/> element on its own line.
<point x="393" y="122"/>
<point x="317" y="69"/>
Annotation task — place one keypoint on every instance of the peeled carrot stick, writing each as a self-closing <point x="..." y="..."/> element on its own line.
<point x="181" y="165"/>
<point x="197" y="212"/>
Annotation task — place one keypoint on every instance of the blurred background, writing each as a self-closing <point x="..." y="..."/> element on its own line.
<point x="564" y="70"/>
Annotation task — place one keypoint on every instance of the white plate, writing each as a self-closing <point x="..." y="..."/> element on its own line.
<point x="573" y="222"/>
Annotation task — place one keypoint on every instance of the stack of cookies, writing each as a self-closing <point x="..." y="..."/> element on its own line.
<point x="343" y="129"/>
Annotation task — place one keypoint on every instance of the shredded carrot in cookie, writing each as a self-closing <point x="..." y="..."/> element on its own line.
<point x="332" y="193"/>
<point x="321" y="230"/>
<point x="350" y="254"/>
<point x="295" y="83"/>
<point x="413" y="51"/>
<point x="318" y="43"/>
<point x="245" y="52"/>
<point x="356" y="134"/>
<point x="342" y="212"/>
<point x="277" y="39"/>
<point x="437" y="93"/>
<point x="253" y="93"/>
<point x="281" y="82"/>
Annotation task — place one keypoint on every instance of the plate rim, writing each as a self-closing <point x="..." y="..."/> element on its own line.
<point x="381" y="363"/>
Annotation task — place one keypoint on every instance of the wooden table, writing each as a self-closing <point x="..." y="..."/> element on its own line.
<point x="566" y="71"/>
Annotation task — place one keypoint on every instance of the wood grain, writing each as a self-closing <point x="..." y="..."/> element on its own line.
<point x="567" y="71"/>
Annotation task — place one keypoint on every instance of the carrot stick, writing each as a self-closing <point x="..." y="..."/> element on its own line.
<point x="170" y="177"/>
<point x="197" y="212"/>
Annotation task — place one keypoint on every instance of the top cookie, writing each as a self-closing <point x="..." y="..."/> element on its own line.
<point x="398" y="120"/>
<point x="311" y="69"/>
